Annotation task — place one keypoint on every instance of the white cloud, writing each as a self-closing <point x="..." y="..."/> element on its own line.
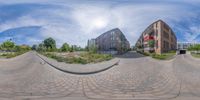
<point x="22" y="22"/>
<point x="194" y="32"/>
<point x="132" y="19"/>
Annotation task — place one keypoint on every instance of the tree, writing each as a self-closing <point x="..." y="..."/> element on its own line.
<point x="22" y="48"/>
<point x="34" y="47"/>
<point x="65" y="47"/>
<point x="194" y="47"/>
<point x="8" y="45"/>
<point x="50" y="44"/>
<point x="71" y="49"/>
<point x="41" y="47"/>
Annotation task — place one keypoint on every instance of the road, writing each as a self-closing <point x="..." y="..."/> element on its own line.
<point x="28" y="77"/>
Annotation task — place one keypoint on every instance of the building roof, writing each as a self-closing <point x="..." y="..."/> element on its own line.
<point x="115" y="29"/>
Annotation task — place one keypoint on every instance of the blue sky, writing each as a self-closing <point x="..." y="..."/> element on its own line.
<point x="76" y="21"/>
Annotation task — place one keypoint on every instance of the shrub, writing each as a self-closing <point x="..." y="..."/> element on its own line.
<point x="82" y="59"/>
<point x="144" y="53"/>
<point x="158" y="56"/>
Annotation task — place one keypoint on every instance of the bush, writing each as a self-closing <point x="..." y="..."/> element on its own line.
<point x="11" y="55"/>
<point x="164" y="56"/>
<point x="158" y="56"/>
<point x="8" y="45"/>
<point x="197" y="55"/>
<point x="144" y="53"/>
<point x="82" y="59"/>
<point x="79" y="60"/>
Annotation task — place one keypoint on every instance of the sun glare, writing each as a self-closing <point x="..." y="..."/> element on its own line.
<point x="99" y="22"/>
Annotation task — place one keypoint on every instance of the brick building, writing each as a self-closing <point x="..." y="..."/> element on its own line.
<point x="157" y="37"/>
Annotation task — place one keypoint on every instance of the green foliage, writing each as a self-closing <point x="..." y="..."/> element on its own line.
<point x="195" y="55"/>
<point x="8" y="45"/>
<point x="13" y="50"/>
<point x="71" y="49"/>
<point x="92" y="49"/>
<point x="65" y="47"/>
<point x="151" y="43"/>
<point x="50" y="44"/>
<point x="144" y="53"/>
<point x="22" y="48"/>
<point x="159" y="56"/>
<point x="93" y="57"/>
<point x="82" y="59"/>
<point x="194" y="47"/>
<point x="12" y="54"/>
<point x="163" y="56"/>
<point x="76" y="60"/>
<point x="139" y="46"/>
<point x="41" y="48"/>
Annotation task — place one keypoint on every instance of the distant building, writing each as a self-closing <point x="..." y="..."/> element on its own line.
<point x="185" y="45"/>
<point x="112" y="42"/>
<point x="158" y="38"/>
<point x="76" y="48"/>
<point x="91" y="43"/>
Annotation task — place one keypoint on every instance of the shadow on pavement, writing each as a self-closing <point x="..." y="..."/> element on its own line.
<point x="130" y="54"/>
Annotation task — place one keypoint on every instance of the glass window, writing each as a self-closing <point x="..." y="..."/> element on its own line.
<point x="156" y="43"/>
<point x="156" y="32"/>
<point x="166" y="35"/>
<point x="112" y="33"/>
<point x="166" y="27"/>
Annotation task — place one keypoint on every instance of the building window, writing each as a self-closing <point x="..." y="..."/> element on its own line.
<point x="157" y="44"/>
<point x="112" y="38"/>
<point x="112" y="33"/>
<point x="166" y="45"/>
<point x="172" y="40"/>
<point x="152" y="33"/>
<point x="156" y="25"/>
<point x="166" y="35"/>
<point x="156" y="32"/>
<point x="166" y="27"/>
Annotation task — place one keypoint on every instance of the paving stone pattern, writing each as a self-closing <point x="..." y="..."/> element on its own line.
<point x="28" y="77"/>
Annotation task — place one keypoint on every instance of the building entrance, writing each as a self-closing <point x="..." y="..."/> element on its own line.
<point x="182" y="51"/>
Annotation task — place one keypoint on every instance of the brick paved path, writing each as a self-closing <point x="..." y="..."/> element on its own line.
<point x="29" y="77"/>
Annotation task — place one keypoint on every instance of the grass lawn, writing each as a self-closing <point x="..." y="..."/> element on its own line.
<point x="163" y="56"/>
<point x="195" y="55"/>
<point x="82" y="58"/>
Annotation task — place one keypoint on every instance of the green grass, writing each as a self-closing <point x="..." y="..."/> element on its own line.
<point x="195" y="55"/>
<point x="164" y="56"/>
<point x="83" y="58"/>
<point x="144" y="53"/>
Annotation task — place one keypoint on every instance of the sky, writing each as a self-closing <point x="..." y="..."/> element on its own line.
<point x="76" y="21"/>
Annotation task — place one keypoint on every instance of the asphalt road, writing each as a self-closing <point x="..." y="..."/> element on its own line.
<point x="28" y="77"/>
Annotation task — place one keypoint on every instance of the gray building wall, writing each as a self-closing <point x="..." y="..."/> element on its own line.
<point x="113" y="40"/>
